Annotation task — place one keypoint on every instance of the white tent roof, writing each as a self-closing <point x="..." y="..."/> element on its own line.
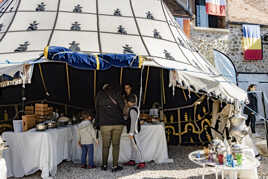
<point x="145" y="28"/>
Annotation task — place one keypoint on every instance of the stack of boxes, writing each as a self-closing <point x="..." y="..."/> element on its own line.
<point x="28" y="122"/>
<point x="41" y="111"/>
<point x="35" y="115"/>
<point x="29" y="110"/>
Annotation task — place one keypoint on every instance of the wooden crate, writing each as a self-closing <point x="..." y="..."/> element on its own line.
<point x="28" y="112"/>
<point x="28" y="122"/>
<point x="29" y="108"/>
<point x="41" y="107"/>
<point x="41" y="113"/>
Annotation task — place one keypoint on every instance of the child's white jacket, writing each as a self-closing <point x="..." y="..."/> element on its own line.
<point x="86" y="132"/>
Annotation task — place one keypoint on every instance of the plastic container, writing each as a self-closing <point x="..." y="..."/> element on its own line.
<point x="17" y="125"/>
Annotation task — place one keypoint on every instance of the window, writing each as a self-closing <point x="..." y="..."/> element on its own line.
<point x="205" y="20"/>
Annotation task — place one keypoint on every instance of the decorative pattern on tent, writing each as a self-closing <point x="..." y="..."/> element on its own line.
<point x="145" y="28"/>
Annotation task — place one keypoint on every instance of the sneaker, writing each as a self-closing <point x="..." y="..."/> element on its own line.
<point x="83" y="166"/>
<point x="257" y="135"/>
<point x="104" y="167"/>
<point x="130" y="163"/>
<point x="116" y="169"/>
<point x="141" y="165"/>
<point x="91" y="167"/>
<point x="258" y="157"/>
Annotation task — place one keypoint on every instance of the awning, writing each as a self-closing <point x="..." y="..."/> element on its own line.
<point x="115" y="32"/>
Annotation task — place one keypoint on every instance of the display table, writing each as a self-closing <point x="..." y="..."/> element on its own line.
<point x="248" y="169"/>
<point x="153" y="145"/>
<point x="32" y="151"/>
<point x="3" y="169"/>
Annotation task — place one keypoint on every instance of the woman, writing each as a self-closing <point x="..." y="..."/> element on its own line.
<point x="109" y="117"/>
<point x="127" y="92"/>
<point x="252" y="107"/>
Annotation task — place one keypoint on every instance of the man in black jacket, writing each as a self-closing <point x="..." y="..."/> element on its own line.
<point x="109" y="117"/>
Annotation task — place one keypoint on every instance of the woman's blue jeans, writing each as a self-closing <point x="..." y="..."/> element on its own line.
<point x="87" y="149"/>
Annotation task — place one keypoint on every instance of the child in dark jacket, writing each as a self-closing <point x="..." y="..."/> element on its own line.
<point x="133" y="128"/>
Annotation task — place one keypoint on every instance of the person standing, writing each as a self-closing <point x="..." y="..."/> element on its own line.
<point x="109" y="118"/>
<point x="86" y="139"/>
<point x="128" y="90"/>
<point x="133" y="128"/>
<point x="252" y="108"/>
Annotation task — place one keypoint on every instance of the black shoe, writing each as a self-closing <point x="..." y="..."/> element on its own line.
<point x="258" y="157"/>
<point x="116" y="169"/>
<point x="104" y="167"/>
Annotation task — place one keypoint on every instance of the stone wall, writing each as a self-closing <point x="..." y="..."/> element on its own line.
<point x="228" y="41"/>
<point x="235" y="51"/>
<point x="207" y="39"/>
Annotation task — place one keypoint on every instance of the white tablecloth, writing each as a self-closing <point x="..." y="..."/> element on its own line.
<point x="32" y="151"/>
<point x="3" y="169"/>
<point x="152" y="142"/>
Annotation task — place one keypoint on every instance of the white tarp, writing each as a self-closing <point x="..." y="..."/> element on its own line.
<point x="146" y="28"/>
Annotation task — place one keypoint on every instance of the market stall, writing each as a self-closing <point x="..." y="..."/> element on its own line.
<point x="74" y="47"/>
<point x="33" y="150"/>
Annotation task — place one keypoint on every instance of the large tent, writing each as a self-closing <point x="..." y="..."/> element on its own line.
<point x="97" y="29"/>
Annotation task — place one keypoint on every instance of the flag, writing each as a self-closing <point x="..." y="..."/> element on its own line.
<point x="185" y="25"/>
<point x="216" y="7"/>
<point x="251" y="42"/>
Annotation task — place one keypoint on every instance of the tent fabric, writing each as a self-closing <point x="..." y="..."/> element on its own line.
<point x="144" y="28"/>
<point x="92" y="62"/>
<point x="224" y="65"/>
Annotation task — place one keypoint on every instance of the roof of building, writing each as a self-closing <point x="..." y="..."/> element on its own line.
<point x="248" y="11"/>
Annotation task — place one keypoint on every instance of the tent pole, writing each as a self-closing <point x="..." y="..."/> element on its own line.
<point x="146" y="84"/>
<point x="68" y="87"/>
<point x="23" y="98"/>
<point x="163" y="86"/>
<point x="185" y="97"/>
<point x="162" y="95"/>
<point x="121" y="76"/>
<point x="95" y="82"/>
<point x="42" y="78"/>
<point x="68" y="82"/>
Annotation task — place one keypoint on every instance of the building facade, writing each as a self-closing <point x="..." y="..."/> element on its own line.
<point x="224" y="33"/>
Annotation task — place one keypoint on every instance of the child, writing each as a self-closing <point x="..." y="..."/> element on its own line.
<point x="133" y="128"/>
<point x="86" y="138"/>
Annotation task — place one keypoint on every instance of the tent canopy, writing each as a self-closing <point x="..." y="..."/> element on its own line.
<point x="144" y="28"/>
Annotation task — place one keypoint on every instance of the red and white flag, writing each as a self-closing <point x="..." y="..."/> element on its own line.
<point x="216" y="7"/>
